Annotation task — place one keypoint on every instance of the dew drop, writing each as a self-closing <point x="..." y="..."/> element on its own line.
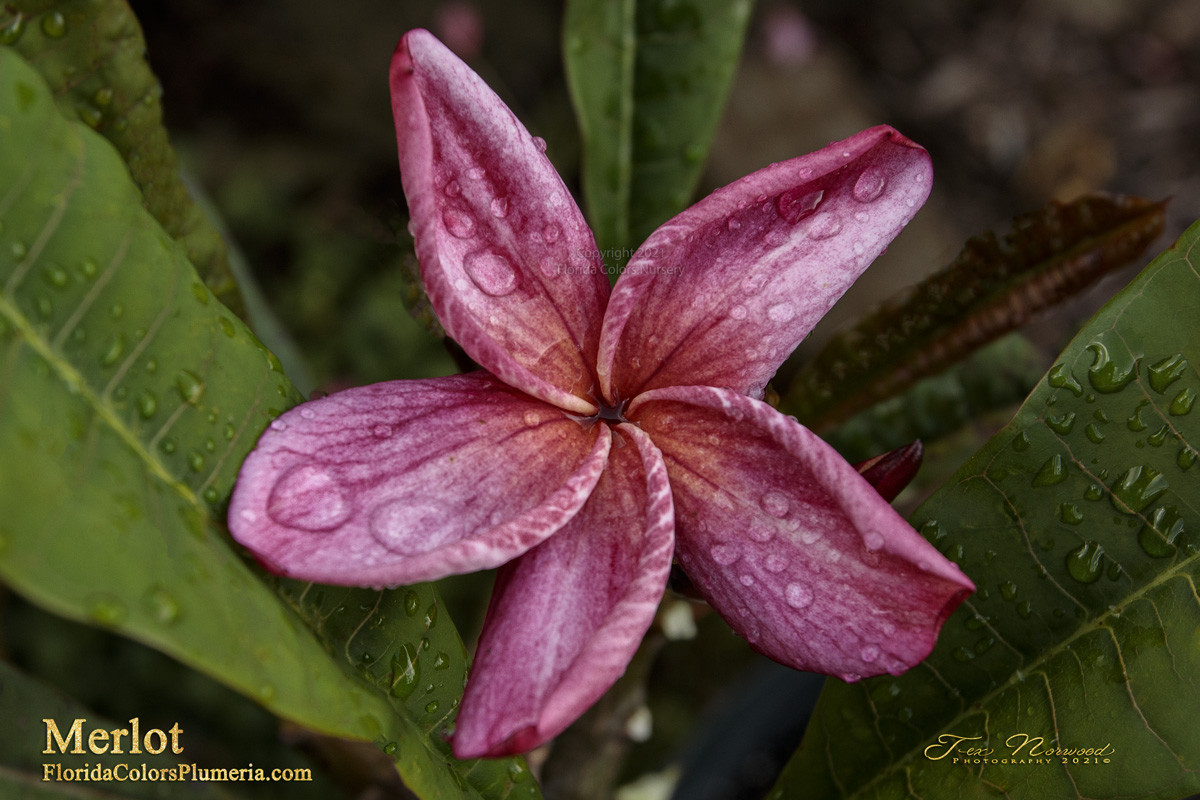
<point x="196" y="460"/>
<point x="870" y="185"/>
<point x="411" y="526"/>
<point x="412" y="602"/>
<point x="1060" y="377"/>
<point x="1138" y="488"/>
<point x="453" y="189"/>
<point x="167" y="446"/>
<point x="431" y="707"/>
<point x="211" y="495"/>
<point x="147" y="404"/>
<point x="775" y="563"/>
<point x="162" y="605"/>
<point x="11" y="32"/>
<point x="1135" y="422"/>
<point x="1104" y="375"/>
<point x="824" y="226"/>
<point x="725" y="554"/>
<point x="307" y="413"/>
<point x="1094" y="434"/>
<point x="760" y="533"/>
<point x="798" y="595"/>
<point x="458" y="223"/>
<point x="1084" y="562"/>
<point x="1070" y="514"/>
<point x="476" y="173"/>
<point x="551" y="233"/>
<point x="775" y="238"/>
<point x="189" y="386"/>
<point x="1025" y="609"/>
<point x="1163" y="373"/>
<point x="307" y="497"/>
<point x="733" y="224"/>
<point x="279" y="425"/>
<point x="532" y="418"/>
<point x="1183" y="402"/>
<point x="738" y="312"/>
<point x="107" y="610"/>
<point x="870" y="653"/>
<point x="746" y="579"/>
<point x="539" y="143"/>
<point x="781" y="312"/>
<point x="1061" y="424"/>
<point x="491" y="272"/>
<point x="54" y="25"/>
<point x="18" y="250"/>
<point x="499" y="207"/>
<point x="873" y="540"/>
<point x="1020" y="443"/>
<point x="776" y="504"/>
<point x="1052" y="472"/>
<point x="796" y="204"/>
<point x="116" y="348"/>
<point x="406" y="671"/>
<point x="1157" y="537"/>
<point x="56" y="276"/>
<point x="1008" y="590"/>
<point x="1186" y="458"/>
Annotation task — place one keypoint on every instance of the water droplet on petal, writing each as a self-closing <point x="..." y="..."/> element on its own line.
<point x="725" y="554"/>
<point x="798" y="595"/>
<point x="532" y="418"/>
<point x="796" y="204"/>
<point x="551" y="233"/>
<point x="453" y="189"/>
<point x="775" y="563"/>
<point x="873" y="540"/>
<point x="307" y="497"/>
<point x="733" y="224"/>
<point x="746" y="579"/>
<point x="760" y="533"/>
<point x="491" y="272"/>
<point x="775" y="238"/>
<point x="870" y="653"/>
<point x="738" y="312"/>
<point x="539" y="143"/>
<point x="776" y="504"/>
<point x="869" y="185"/>
<point x="411" y="526"/>
<point x="458" y="223"/>
<point x="824" y="226"/>
<point x="382" y="431"/>
<point x="499" y="207"/>
<point x="781" y="312"/>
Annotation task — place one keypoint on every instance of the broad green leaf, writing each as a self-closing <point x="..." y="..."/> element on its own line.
<point x="994" y="286"/>
<point x="129" y="398"/>
<point x="648" y="79"/>
<point x="92" y="54"/>
<point x="25" y="702"/>
<point x="1079" y="524"/>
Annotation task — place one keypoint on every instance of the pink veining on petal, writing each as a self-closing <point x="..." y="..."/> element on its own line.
<point x="411" y="481"/>
<point x="505" y="254"/>
<point x="566" y="617"/>
<point x="721" y="294"/>
<point x="790" y="544"/>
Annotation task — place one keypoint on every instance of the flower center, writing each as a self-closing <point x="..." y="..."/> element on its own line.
<point x="612" y="414"/>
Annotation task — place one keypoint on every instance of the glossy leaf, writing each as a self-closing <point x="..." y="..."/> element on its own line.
<point x="648" y="79"/>
<point x="1079" y="522"/>
<point x="994" y="286"/>
<point x="92" y="54"/>
<point x="129" y="398"/>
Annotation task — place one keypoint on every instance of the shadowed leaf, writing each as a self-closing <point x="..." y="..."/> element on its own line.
<point x="648" y="79"/>
<point x="995" y="285"/>
<point x="1079" y="522"/>
<point x="92" y="54"/>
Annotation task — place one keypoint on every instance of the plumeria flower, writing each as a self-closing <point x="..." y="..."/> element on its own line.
<point x="608" y="432"/>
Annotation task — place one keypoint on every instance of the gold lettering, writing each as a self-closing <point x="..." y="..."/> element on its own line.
<point x="74" y="733"/>
<point x="98" y="741"/>
<point x="948" y="741"/>
<point x="176" y="747"/>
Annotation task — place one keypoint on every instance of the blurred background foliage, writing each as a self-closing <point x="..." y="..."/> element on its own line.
<point x="279" y="109"/>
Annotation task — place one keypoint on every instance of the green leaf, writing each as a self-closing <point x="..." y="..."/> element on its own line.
<point x="129" y="398"/>
<point x="648" y="79"/>
<point x="1079" y="524"/>
<point x="994" y="286"/>
<point x="92" y="54"/>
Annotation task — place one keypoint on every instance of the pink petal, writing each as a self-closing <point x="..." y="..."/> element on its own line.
<point x="567" y="616"/>
<point x="412" y="480"/>
<point x="721" y="294"/>
<point x="507" y="259"/>
<point x="790" y="544"/>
